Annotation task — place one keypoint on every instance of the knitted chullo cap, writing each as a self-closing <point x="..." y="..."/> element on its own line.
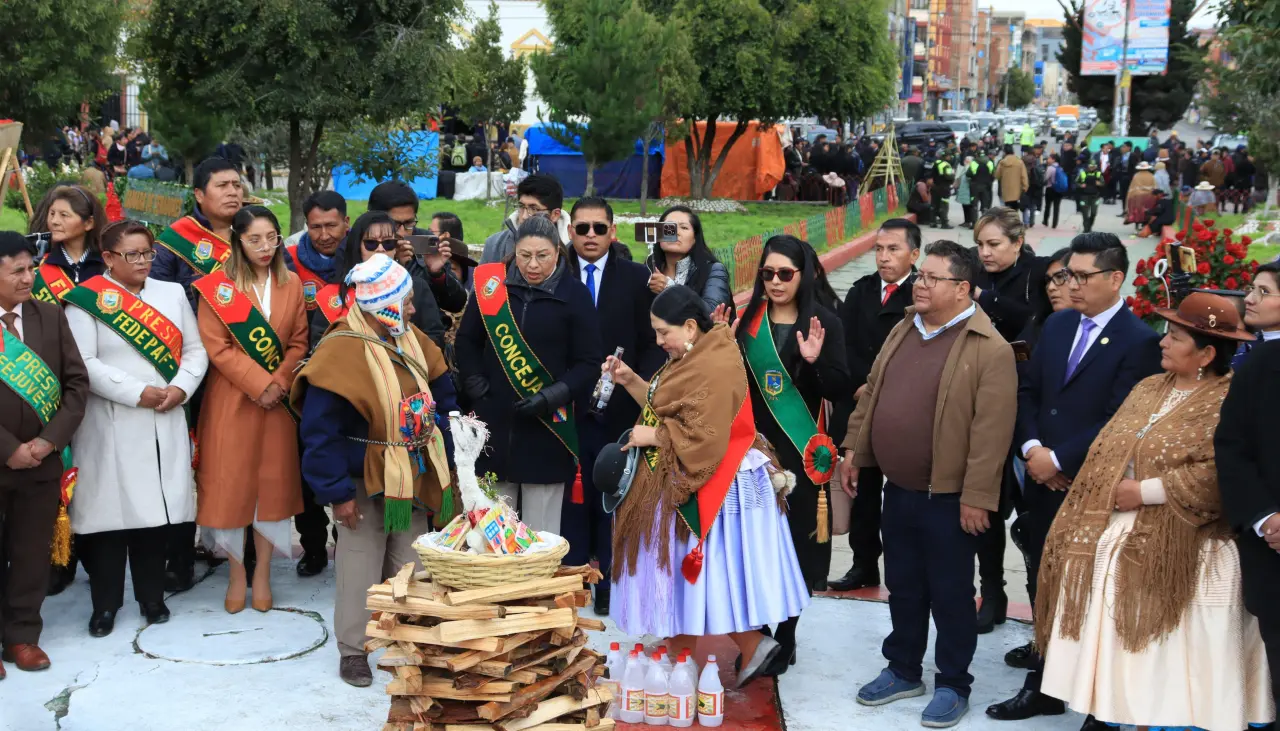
<point x="381" y="286"/>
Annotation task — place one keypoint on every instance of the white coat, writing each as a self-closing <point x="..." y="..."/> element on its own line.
<point x="135" y="463"/>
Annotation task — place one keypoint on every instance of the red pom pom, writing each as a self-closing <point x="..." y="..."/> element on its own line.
<point x="691" y="566"/>
<point x="576" y="495"/>
<point x="1203" y="267"/>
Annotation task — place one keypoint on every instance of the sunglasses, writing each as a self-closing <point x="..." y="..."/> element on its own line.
<point x="583" y="229"/>
<point x="783" y="275"/>
<point x="383" y="244"/>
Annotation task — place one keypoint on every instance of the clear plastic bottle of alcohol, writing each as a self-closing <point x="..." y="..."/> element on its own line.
<point x="604" y="388"/>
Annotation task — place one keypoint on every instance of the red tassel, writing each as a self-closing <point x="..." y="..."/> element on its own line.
<point x="691" y="566"/>
<point x="576" y="496"/>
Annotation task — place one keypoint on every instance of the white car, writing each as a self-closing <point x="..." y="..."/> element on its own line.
<point x="964" y="129"/>
<point x="1064" y="125"/>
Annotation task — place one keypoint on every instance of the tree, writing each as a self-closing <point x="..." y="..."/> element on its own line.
<point x="303" y="63"/>
<point x="770" y="59"/>
<point x="604" y="80"/>
<point x="1158" y="102"/>
<point x="375" y="153"/>
<point x="192" y="131"/>
<point x="57" y="54"/>
<point x="1017" y="88"/>
<point x="489" y="86"/>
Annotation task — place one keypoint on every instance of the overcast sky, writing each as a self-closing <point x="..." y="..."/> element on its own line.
<point x="1051" y="9"/>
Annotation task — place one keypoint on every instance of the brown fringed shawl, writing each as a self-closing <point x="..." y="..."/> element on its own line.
<point x="1159" y="561"/>
<point x="696" y="400"/>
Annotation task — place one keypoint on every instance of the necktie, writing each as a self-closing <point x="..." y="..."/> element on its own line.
<point x="591" y="281"/>
<point x="11" y="324"/>
<point x="889" y="289"/>
<point x="1086" y="327"/>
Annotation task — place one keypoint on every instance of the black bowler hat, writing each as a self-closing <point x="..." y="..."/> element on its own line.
<point x="614" y="471"/>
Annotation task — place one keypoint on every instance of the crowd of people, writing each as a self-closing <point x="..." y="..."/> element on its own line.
<point x="214" y="386"/>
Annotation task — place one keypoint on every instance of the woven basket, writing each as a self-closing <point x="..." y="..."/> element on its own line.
<point x="462" y="570"/>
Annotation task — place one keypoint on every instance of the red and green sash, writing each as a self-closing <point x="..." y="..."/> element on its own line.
<point x="246" y="323"/>
<point x="199" y="247"/>
<point x="785" y="403"/>
<point x="153" y="335"/>
<point x="312" y="283"/>
<point x="524" y="371"/>
<point x="330" y="303"/>
<point x="51" y="284"/>
<point x="702" y="508"/>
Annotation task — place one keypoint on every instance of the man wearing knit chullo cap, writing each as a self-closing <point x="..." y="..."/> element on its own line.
<point x="373" y="400"/>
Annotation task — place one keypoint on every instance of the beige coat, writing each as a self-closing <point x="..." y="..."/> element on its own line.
<point x="973" y="420"/>
<point x="1012" y="176"/>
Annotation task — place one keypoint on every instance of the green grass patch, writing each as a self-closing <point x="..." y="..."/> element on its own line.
<point x="1263" y="253"/>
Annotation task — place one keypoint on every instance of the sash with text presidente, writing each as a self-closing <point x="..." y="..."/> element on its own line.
<point x="524" y="371"/>
<point x="153" y="335"/>
<point x="27" y="375"/>
<point x="199" y="247"/>
<point x="246" y="323"/>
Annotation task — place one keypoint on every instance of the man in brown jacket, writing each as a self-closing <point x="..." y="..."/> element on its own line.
<point x="1013" y="179"/>
<point x="936" y="418"/>
<point x="40" y="368"/>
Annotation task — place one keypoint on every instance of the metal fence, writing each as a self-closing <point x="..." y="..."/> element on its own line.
<point x="823" y="231"/>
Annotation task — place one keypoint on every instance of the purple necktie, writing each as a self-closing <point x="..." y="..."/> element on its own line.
<point x="1086" y="327"/>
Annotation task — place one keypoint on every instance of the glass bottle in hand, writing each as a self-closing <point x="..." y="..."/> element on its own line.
<point x="604" y="388"/>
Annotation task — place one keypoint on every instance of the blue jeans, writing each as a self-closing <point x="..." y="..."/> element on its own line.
<point x="928" y="567"/>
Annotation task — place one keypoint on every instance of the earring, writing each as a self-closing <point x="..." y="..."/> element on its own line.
<point x="1200" y="373"/>
<point x="688" y="347"/>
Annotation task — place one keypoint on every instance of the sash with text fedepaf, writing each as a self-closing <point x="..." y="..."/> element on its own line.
<point x="153" y="335"/>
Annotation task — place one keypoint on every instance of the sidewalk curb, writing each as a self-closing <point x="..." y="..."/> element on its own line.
<point x="835" y="258"/>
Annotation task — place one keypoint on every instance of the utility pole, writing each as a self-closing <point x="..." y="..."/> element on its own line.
<point x="1120" y="115"/>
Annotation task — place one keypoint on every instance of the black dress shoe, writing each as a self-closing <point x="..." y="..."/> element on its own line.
<point x="781" y="662"/>
<point x="154" y="612"/>
<point x="178" y="581"/>
<point x="1093" y="724"/>
<point x="856" y="578"/>
<point x="1026" y="704"/>
<point x="311" y="564"/>
<point x="60" y="577"/>
<point x="1023" y="657"/>
<point x="101" y="623"/>
<point x="603" y="589"/>
<point x="992" y="612"/>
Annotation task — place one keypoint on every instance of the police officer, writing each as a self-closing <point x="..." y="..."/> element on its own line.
<point x="1088" y="190"/>
<point x="982" y="176"/>
<point x="944" y="177"/>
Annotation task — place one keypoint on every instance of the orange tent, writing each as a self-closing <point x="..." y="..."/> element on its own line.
<point x="754" y="165"/>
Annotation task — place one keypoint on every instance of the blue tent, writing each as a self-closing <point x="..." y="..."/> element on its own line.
<point x="425" y="187"/>
<point x="620" y="179"/>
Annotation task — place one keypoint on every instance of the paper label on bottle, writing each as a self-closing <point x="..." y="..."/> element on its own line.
<point x="710" y="704"/>
<point x="655" y="705"/>
<point x="635" y="700"/>
<point x="680" y="707"/>
<point x="611" y="685"/>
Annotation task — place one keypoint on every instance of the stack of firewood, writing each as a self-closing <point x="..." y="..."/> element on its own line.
<point x="511" y="658"/>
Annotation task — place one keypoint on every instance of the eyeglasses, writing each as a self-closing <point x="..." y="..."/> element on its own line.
<point x="583" y="229"/>
<point x="929" y="281"/>
<point x="1059" y="277"/>
<point x="137" y="257"/>
<point x="533" y="210"/>
<point x="380" y="244"/>
<point x="542" y="257"/>
<point x="408" y="225"/>
<point x="1251" y="290"/>
<point x="263" y="243"/>
<point x="1082" y="278"/>
<point x="784" y="275"/>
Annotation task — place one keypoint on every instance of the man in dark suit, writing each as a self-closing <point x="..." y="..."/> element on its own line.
<point x="875" y="304"/>
<point x="40" y="367"/>
<point x="1249" y="478"/>
<point x="620" y="289"/>
<point x="1087" y="361"/>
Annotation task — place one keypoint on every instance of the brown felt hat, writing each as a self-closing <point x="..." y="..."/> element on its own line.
<point x="1208" y="314"/>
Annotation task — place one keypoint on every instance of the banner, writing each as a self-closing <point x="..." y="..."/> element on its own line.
<point x="1104" y="37"/>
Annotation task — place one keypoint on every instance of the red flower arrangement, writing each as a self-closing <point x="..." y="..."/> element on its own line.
<point x="1222" y="262"/>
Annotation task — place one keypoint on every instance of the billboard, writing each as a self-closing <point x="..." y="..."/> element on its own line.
<point x="1104" y="37"/>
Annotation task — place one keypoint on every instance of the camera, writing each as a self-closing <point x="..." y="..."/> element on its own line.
<point x="41" y="241"/>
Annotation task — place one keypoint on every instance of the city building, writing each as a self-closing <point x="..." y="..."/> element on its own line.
<point x="1041" y="41"/>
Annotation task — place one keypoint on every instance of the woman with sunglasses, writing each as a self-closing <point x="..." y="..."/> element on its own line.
<point x="689" y="261"/>
<point x="375" y="233"/>
<point x="141" y="344"/>
<point x="528" y="347"/>
<point x="253" y="320"/>
<point x="795" y="356"/>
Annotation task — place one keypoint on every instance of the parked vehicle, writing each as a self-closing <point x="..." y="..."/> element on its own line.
<point x="964" y="129"/>
<point x="1064" y="125"/>
<point x="1231" y="142"/>
<point x="919" y="133"/>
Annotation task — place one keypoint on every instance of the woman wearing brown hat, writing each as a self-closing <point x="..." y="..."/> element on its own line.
<point x="1140" y="606"/>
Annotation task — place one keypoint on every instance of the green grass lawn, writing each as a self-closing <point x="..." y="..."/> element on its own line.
<point x="480" y="220"/>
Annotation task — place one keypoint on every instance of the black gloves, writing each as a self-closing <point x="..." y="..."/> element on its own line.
<point x="476" y="388"/>
<point x="545" y="401"/>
